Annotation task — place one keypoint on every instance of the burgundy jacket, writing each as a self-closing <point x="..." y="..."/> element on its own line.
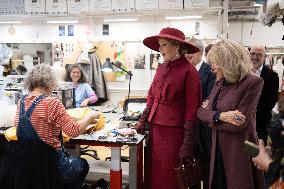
<point x="175" y="94"/>
<point x="242" y="96"/>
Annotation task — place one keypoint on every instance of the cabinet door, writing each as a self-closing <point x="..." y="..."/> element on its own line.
<point x="123" y="5"/>
<point x="77" y="7"/>
<point x="147" y="5"/>
<point x="35" y="7"/>
<point x="171" y="4"/>
<point x="56" y="7"/>
<point x="12" y="7"/>
<point x="100" y="5"/>
<point x="195" y="3"/>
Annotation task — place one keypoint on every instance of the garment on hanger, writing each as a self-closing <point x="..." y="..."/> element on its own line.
<point x="96" y="77"/>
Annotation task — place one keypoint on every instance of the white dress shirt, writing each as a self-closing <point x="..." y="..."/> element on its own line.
<point x="258" y="72"/>
<point x="198" y="66"/>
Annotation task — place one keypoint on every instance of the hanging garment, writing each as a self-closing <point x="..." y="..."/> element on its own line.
<point x="97" y="77"/>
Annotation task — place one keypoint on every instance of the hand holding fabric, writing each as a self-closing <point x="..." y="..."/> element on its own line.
<point x="93" y="116"/>
<point x="84" y="103"/>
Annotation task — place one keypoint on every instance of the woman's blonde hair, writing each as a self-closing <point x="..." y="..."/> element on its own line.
<point x="232" y="58"/>
<point x="41" y="76"/>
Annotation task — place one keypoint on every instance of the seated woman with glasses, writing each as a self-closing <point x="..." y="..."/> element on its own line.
<point x="84" y="94"/>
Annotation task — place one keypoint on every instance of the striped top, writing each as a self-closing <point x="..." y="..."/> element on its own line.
<point x="48" y="118"/>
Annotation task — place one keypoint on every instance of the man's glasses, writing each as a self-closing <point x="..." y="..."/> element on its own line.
<point x="256" y="54"/>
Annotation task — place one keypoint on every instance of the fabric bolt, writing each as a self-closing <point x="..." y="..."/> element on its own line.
<point x="84" y="91"/>
<point x="49" y="117"/>
<point x="243" y="96"/>
<point x="173" y="99"/>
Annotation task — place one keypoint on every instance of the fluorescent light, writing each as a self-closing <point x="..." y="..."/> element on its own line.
<point x="257" y="5"/>
<point x="62" y="22"/>
<point x="107" y="70"/>
<point x="121" y="20"/>
<point x="181" y="17"/>
<point x="10" y="22"/>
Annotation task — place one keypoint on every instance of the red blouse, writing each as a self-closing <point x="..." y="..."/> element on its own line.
<point x="175" y="94"/>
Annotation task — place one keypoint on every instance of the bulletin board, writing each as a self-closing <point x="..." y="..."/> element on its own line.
<point x="108" y="49"/>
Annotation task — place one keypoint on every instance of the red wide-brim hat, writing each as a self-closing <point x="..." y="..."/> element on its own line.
<point x="169" y="33"/>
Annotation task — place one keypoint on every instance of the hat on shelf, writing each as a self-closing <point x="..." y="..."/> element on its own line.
<point x="169" y="33"/>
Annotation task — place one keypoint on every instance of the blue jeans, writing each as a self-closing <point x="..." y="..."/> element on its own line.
<point x="73" y="170"/>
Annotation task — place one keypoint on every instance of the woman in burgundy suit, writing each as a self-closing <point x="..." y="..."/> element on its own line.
<point x="230" y="110"/>
<point x="172" y="103"/>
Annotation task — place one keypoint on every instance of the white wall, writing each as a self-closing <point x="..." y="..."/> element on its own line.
<point x="90" y="29"/>
<point x="269" y="36"/>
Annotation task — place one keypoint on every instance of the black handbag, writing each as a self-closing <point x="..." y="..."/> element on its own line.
<point x="71" y="167"/>
<point x="188" y="172"/>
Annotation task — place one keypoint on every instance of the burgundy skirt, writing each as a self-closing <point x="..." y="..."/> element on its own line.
<point x="165" y="143"/>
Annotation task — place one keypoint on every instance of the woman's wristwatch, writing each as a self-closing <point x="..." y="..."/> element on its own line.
<point x="216" y="117"/>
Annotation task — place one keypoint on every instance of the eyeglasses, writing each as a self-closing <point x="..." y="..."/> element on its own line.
<point x="256" y="54"/>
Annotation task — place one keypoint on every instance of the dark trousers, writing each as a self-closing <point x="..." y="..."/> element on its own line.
<point x="262" y="132"/>
<point x="77" y="184"/>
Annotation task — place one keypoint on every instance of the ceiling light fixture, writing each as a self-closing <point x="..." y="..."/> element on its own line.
<point x="12" y="30"/>
<point x="121" y="20"/>
<point x="10" y="22"/>
<point x="62" y="22"/>
<point x="182" y="17"/>
<point x="257" y="5"/>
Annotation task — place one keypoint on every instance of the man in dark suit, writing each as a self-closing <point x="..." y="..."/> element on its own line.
<point x="207" y="78"/>
<point x="269" y="93"/>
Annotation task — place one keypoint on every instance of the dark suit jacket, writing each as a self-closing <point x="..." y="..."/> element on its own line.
<point x="207" y="79"/>
<point x="267" y="100"/>
<point x="203" y="138"/>
<point x="203" y="135"/>
<point x="242" y="96"/>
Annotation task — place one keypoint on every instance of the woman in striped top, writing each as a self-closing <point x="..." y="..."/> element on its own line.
<point x="49" y="117"/>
